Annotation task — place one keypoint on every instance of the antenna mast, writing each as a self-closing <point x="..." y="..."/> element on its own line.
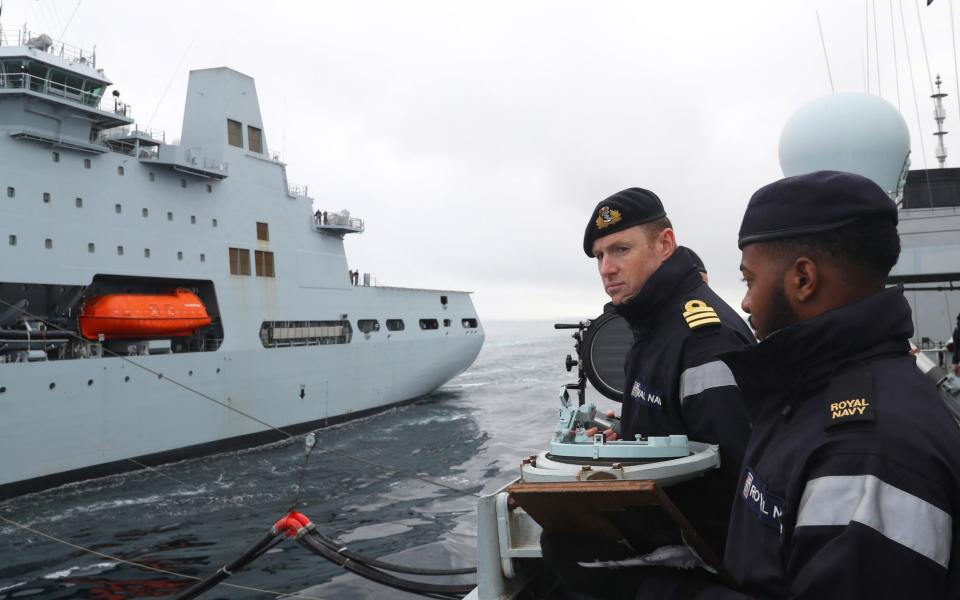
<point x="939" y="114"/>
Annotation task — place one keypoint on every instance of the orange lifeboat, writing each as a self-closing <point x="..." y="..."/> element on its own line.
<point x="138" y="316"/>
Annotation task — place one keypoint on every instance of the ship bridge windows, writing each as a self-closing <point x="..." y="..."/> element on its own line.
<point x="239" y="261"/>
<point x="282" y="334"/>
<point x="427" y="324"/>
<point x="395" y="325"/>
<point x="234" y="133"/>
<point x="368" y="325"/>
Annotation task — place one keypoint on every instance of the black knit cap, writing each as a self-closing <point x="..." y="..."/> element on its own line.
<point x="632" y="206"/>
<point x="813" y="203"/>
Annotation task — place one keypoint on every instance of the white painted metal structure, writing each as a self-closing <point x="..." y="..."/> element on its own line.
<point x="87" y="200"/>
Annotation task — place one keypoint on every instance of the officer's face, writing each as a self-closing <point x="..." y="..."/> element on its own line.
<point x="766" y="299"/>
<point x="628" y="258"/>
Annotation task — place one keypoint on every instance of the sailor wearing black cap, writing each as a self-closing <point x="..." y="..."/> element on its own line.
<point x="675" y="384"/>
<point x="850" y="487"/>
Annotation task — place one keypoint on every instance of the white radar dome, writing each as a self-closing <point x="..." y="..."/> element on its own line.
<point x="857" y="133"/>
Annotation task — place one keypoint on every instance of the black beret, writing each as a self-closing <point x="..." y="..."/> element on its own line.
<point x="633" y="206"/>
<point x="813" y="203"/>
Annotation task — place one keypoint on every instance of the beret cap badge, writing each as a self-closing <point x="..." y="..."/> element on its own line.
<point x="607" y="217"/>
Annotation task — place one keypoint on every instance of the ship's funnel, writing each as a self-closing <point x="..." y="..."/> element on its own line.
<point x="857" y="133"/>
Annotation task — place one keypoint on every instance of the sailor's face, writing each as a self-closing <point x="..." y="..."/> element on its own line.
<point x="765" y="299"/>
<point x="626" y="260"/>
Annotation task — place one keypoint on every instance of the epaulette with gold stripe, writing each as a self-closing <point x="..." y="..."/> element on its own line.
<point x="698" y="314"/>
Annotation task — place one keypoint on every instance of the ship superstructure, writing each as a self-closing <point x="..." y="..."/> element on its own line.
<point x="102" y="221"/>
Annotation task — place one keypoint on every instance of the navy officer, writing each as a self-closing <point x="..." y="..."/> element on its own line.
<point x="850" y="486"/>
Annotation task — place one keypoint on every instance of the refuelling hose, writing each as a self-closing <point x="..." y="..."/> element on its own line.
<point x="299" y="526"/>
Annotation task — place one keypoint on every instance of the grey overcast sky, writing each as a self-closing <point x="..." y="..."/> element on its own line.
<point x="475" y="137"/>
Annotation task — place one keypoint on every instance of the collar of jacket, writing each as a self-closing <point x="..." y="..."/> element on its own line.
<point x="802" y="357"/>
<point x="676" y="276"/>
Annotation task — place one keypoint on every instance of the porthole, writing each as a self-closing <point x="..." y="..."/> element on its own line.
<point x="13" y="240"/>
<point x="145" y="212"/>
<point x="117" y="208"/>
<point x="48" y="243"/>
<point x="120" y="171"/>
<point x="119" y="250"/>
<point x="11" y="192"/>
<point x="203" y="258"/>
<point x="91" y="247"/>
<point x="169" y="216"/>
<point x="3" y="389"/>
<point x="183" y="183"/>
<point x="190" y="373"/>
<point x="79" y="202"/>
<point x="52" y="385"/>
<point x="214" y="221"/>
<point x="146" y="252"/>
<point x="151" y="176"/>
<point x="46" y="197"/>
<point x="127" y="378"/>
<point x="193" y="219"/>
<point x="179" y="255"/>
<point x="89" y="382"/>
<point x="218" y="369"/>
<point x="86" y="163"/>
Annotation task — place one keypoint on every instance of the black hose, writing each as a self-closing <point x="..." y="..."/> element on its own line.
<point x="355" y="556"/>
<point x="258" y="548"/>
<point x="415" y="587"/>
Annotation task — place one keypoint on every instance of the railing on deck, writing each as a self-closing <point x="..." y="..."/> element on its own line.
<point x="297" y="190"/>
<point x="49" y="87"/>
<point x="74" y="54"/>
<point x="337" y="221"/>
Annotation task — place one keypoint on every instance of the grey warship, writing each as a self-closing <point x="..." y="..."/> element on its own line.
<point x="145" y="284"/>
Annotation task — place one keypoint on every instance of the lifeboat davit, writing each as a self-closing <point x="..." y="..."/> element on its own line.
<point x="139" y="316"/>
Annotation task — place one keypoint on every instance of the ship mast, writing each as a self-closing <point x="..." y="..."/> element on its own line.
<point x="939" y="114"/>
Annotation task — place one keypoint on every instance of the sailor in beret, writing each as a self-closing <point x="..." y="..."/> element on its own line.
<point x="850" y="486"/>
<point x="675" y="383"/>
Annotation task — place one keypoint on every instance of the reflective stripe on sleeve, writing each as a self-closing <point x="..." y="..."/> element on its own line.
<point x="895" y="514"/>
<point x="710" y="375"/>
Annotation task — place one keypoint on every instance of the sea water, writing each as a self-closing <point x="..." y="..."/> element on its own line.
<point x="192" y="517"/>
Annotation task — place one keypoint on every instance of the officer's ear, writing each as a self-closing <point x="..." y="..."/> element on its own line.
<point x="665" y="244"/>
<point x="802" y="280"/>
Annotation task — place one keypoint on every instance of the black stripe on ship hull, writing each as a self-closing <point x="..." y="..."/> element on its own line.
<point x="37" y="484"/>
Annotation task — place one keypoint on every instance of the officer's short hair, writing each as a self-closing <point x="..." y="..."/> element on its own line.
<point x="867" y="248"/>
<point x="653" y="228"/>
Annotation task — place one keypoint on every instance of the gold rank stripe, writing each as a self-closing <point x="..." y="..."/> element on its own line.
<point x="697" y="313"/>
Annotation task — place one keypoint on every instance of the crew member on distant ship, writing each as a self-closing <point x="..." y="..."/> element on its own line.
<point x="850" y="487"/>
<point x="675" y="383"/>
<point x="955" y="366"/>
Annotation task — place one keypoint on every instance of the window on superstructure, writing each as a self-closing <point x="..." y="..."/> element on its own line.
<point x="213" y="222"/>
<point x="429" y="324"/>
<point x="446" y="322"/>
<point x="119" y="250"/>
<point x="255" y="139"/>
<point x="120" y="171"/>
<point x="395" y="325"/>
<point x="48" y="243"/>
<point x="169" y="216"/>
<point x="91" y="247"/>
<point x="86" y="163"/>
<point x="239" y="261"/>
<point x="469" y="323"/>
<point x="13" y="240"/>
<point x="203" y="257"/>
<point x="234" y="133"/>
<point x="282" y="334"/>
<point x="368" y="325"/>
<point x="263" y="232"/>
<point x="179" y="255"/>
<point x="151" y="176"/>
<point x="209" y="189"/>
<point x="193" y="219"/>
<point x="11" y="192"/>
<point x="145" y="212"/>
<point x="183" y="183"/>
<point x="146" y="252"/>
<point x="46" y="197"/>
<point x="79" y="202"/>
<point x="264" y="263"/>
<point x="56" y="157"/>
<point x="117" y="208"/>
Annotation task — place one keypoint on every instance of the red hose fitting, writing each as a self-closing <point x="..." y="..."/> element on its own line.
<point x="288" y="526"/>
<point x="301" y="518"/>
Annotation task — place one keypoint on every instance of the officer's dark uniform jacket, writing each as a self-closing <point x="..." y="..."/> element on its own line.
<point x="676" y="385"/>
<point x="851" y="482"/>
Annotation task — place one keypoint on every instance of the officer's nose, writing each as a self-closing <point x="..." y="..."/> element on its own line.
<point x="745" y="303"/>
<point x="607" y="266"/>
